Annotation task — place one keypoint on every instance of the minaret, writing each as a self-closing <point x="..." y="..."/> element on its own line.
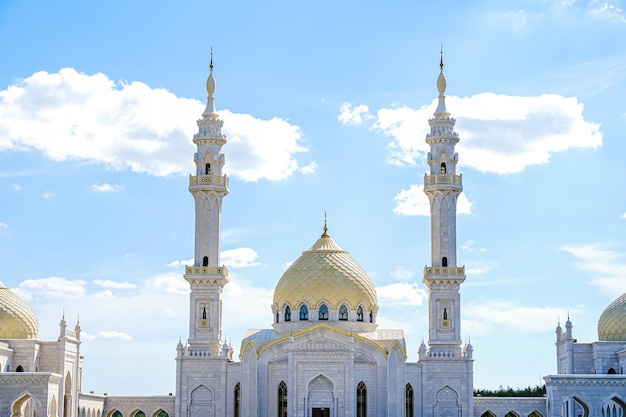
<point x="207" y="276"/>
<point x="443" y="185"/>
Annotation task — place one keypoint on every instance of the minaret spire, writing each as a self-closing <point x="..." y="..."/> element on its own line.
<point x="207" y="276"/>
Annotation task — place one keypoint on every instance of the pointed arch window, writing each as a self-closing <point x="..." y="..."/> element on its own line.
<point x="444" y="262"/>
<point x="162" y="413"/>
<point x="322" y="313"/>
<point x="359" y="314"/>
<point x="361" y="400"/>
<point x="237" y="401"/>
<point x="287" y="313"/>
<point x="207" y="169"/>
<point x="19" y="368"/>
<point x="408" y="401"/>
<point x="371" y="317"/>
<point x="304" y="312"/>
<point x="117" y="413"/>
<point x="282" y="399"/>
<point x="343" y="312"/>
<point x="611" y="371"/>
<point x="443" y="168"/>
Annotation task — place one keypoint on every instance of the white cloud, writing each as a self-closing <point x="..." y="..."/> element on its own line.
<point x="48" y="195"/>
<point x="262" y="148"/>
<point x="179" y="263"/>
<point x="606" y="10"/>
<point x="133" y="126"/>
<point x="106" y="188"/>
<point x="17" y="187"/>
<point x="3" y="225"/>
<point x="605" y="264"/>
<point x="402" y="274"/>
<point x="401" y="293"/>
<point x="499" y="133"/>
<point x="624" y="216"/>
<point x="490" y="316"/>
<point x="350" y="116"/>
<point x="105" y="283"/>
<point x="240" y="257"/>
<point x="171" y="283"/>
<point x="110" y="334"/>
<point x="414" y="202"/>
<point x="51" y="287"/>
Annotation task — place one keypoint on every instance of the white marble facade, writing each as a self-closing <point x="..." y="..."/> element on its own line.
<point x="323" y="353"/>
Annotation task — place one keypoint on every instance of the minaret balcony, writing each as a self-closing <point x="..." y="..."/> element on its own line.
<point x="208" y="180"/>
<point x="443" y="179"/>
<point x="444" y="270"/>
<point x="206" y="270"/>
<point x="443" y="276"/>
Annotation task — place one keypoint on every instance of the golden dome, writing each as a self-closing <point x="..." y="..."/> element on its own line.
<point x="612" y="323"/>
<point x="17" y="319"/>
<point x="325" y="272"/>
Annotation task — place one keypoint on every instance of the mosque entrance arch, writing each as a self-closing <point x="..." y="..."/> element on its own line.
<point x="320" y="396"/>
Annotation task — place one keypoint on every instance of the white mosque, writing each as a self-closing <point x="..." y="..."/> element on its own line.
<point x="324" y="355"/>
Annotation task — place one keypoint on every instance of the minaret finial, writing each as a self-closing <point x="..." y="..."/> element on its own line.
<point x="441" y="59"/>
<point x="211" y="65"/>
<point x="325" y="234"/>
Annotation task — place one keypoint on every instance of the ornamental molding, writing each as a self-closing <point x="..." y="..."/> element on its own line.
<point x="583" y="382"/>
<point x="161" y="400"/>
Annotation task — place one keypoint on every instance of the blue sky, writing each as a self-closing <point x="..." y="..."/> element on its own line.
<point x="326" y="108"/>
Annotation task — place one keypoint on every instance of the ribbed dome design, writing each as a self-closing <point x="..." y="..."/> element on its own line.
<point x="17" y="319"/>
<point x="612" y="322"/>
<point x="325" y="272"/>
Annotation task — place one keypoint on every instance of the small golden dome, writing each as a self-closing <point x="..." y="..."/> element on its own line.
<point x="17" y="319"/>
<point x="325" y="272"/>
<point x="612" y="322"/>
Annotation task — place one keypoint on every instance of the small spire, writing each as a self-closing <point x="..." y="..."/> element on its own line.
<point x="325" y="234"/>
<point x="441" y="59"/>
<point x="211" y="65"/>
<point x="209" y="111"/>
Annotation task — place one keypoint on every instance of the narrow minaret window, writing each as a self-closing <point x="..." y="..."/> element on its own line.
<point x="203" y="313"/>
<point x="207" y="169"/>
<point x="443" y="167"/>
<point x="287" y="314"/>
<point x="445" y="314"/>
<point x="444" y="262"/>
<point x="205" y="261"/>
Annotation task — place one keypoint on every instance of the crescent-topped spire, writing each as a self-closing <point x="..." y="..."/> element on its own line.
<point x="210" y="89"/>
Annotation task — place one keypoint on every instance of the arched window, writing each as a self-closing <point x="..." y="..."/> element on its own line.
<point x="371" y="317"/>
<point x="408" y="401"/>
<point x="203" y="313"/>
<point x="444" y="262"/>
<point x="361" y="400"/>
<point x="287" y="313"/>
<point x="304" y="312"/>
<point x="611" y="371"/>
<point x="277" y="317"/>
<point x="443" y="168"/>
<point x="19" y="368"/>
<point x="205" y="261"/>
<point x="117" y="413"/>
<point x="359" y="314"/>
<point x="282" y="399"/>
<point x="162" y="413"/>
<point x="322" y="313"/>
<point x="207" y="169"/>
<point x="139" y="414"/>
<point x="237" y="400"/>
<point x="343" y="312"/>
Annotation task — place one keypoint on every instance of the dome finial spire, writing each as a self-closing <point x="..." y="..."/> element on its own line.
<point x="325" y="234"/>
<point x="211" y="64"/>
